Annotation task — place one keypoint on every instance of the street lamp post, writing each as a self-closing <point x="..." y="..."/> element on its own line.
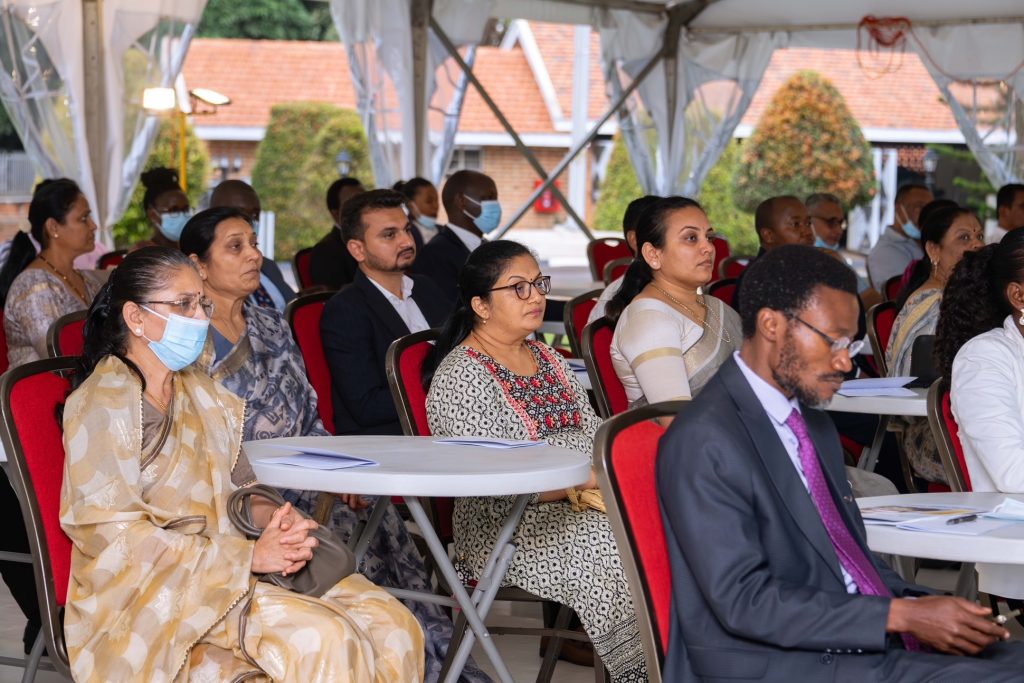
<point x="163" y="100"/>
<point x="343" y="162"/>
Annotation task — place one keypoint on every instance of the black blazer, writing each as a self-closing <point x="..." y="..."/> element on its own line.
<point x="357" y="327"/>
<point x="330" y="264"/>
<point x="441" y="259"/>
<point x="757" y="590"/>
<point x="274" y="274"/>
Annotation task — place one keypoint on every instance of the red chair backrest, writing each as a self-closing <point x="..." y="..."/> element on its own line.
<point x="724" y="290"/>
<point x="954" y="436"/>
<point x="577" y="312"/>
<point x="303" y="261"/>
<point x="731" y="267"/>
<point x="608" y="390"/>
<point x="892" y="287"/>
<point x="880" y="321"/>
<point x="615" y="269"/>
<point x="111" y="259"/>
<point x="303" y="315"/>
<point x="66" y="336"/>
<point x="601" y="251"/>
<point x="625" y="456"/>
<point x="3" y="345"/>
<point x="722" y="252"/>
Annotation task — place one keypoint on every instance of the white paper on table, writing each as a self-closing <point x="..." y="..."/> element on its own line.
<point x="975" y="527"/>
<point x="1010" y="509"/>
<point x="894" y="515"/>
<point x="577" y="364"/>
<point x="341" y="459"/>
<point x="893" y="391"/>
<point x="877" y="383"/>
<point x="319" y="462"/>
<point x="488" y="443"/>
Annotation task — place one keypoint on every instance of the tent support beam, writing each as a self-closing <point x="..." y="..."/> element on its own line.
<point x="798" y="28"/>
<point x="520" y="145"/>
<point x="420" y="18"/>
<point x="94" y="92"/>
<point x="582" y="144"/>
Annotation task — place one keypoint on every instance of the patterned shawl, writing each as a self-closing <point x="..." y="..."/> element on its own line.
<point x="155" y="563"/>
<point x="918" y="316"/>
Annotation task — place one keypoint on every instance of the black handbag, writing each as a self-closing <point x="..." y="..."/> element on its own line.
<point x="332" y="559"/>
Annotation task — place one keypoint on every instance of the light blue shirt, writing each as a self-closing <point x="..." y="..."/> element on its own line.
<point x="778" y="408"/>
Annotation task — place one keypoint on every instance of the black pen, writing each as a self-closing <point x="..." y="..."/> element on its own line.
<point x="961" y="520"/>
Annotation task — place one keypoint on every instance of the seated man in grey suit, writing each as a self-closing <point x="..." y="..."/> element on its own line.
<point x="771" y="576"/>
<point x="380" y="305"/>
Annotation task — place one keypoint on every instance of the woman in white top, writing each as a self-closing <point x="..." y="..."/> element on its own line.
<point x="980" y="338"/>
<point x="670" y="338"/>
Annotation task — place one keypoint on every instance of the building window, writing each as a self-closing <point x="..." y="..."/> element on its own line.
<point x="466" y="159"/>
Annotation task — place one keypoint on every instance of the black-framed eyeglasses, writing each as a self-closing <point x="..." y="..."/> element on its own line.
<point x="187" y="304"/>
<point x="525" y="288"/>
<point x="835" y="345"/>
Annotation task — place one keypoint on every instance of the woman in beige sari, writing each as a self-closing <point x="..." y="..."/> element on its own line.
<point x="669" y="338"/>
<point x="163" y="587"/>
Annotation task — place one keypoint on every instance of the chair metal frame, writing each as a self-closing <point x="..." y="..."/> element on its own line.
<point x="876" y="345"/>
<point x="398" y="393"/>
<point x="892" y="288"/>
<point x="943" y="439"/>
<point x="55" y="329"/>
<point x="51" y="635"/>
<point x="609" y="268"/>
<point x="723" y="266"/>
<point x="654" y="649"/>
<point x="574" y="333"/>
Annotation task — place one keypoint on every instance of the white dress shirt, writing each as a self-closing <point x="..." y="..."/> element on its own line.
<point x="602" y="301"/>
<point x="471" y="240"/>
<point x="778" y="408"/>
<point x="406" y="308"/>
<point x="987" y="394"/>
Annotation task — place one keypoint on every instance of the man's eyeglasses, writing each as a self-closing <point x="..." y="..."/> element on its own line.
<point x="835" y="345"/>
<point x="187" y="304"/>
<point x="524" y="288"/>
<point x="831" y="222"/>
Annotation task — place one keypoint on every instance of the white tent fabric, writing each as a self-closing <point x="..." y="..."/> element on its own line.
<point x="673" y="148"/>
<point x="42" y="50"/>
<point x="378" y="38"/>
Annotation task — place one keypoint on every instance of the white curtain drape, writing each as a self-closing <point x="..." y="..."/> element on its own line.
<point x="980" y="71"/>
<point x="378" y="39"/>
<point x="715" y="79"/>
<point x="42" y="86"/>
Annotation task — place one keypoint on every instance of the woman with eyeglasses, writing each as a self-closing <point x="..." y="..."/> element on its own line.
<point x="487" y="378"/>
<point x="163" y="586"/>
<point x="670" y="338"/>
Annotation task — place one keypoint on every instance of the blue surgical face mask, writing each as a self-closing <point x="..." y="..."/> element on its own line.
<point x="172" y="223"/>
<point x="909" y="229"/>
<point x="490" y="214"/>
<point x="822" y="244"/>
<point x="182" y="341"/>
<point x="427" y="222"/>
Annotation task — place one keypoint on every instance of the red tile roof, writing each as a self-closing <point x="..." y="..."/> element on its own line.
<point x="556" y="43"/>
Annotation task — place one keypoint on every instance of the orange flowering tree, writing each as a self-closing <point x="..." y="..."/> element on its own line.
<point x="807" y="141"/>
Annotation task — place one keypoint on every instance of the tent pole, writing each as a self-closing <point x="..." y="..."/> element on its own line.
<point x="523" y="149"/>
<point x="95" y="109"/>
<point x="420" y="19"/>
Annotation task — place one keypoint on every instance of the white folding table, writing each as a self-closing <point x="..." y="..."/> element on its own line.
<point x="884" y="407"/>
<point x="414" y="466"/>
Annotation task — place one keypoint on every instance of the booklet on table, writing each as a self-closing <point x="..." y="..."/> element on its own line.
<point x="935" y="518"/>
<point x="316" y="458"/>
<point x="877" y="386"/>
<point x="488" y="443"/>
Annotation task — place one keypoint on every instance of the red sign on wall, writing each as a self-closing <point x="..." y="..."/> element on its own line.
<point x="546" y="202"/>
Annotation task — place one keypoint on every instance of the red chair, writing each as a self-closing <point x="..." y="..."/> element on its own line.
<point x="609" y="393"/>
<point x="577" y="311"/>
<point x="946" y="432"/>
<point x="111" y="259"/>
<point x="602" y="251"/>
<point x="892" y="287"/>
<point x="613" y="270"/>
<point x="732" y="266"/>
<point x="880" y="320"/>
<point x="625" y="457"/>
<point x="722" y="252"/>
<point x="3" y="345"/>
<point x="33" y="441"/>
<point x="403" y="364"/>
<point x="66" y="336"/>
<point x="724" y="290"/>
<point x="303" y="262"/>
<point x="303" y="316"/>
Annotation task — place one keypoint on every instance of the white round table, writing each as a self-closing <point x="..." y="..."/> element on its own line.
<point x="915" y="406"/>
<point x="412" y="466"/>
<point x="998" y="556"/>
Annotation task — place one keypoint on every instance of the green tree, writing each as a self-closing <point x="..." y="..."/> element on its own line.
<point x="977" y="188"/>
<point x="806" y="141"/>
<point x="295" y="166"/>
<point x="258" y="19"/>
<point x="134" y="225"/>
<point x="716" y="196"/>
<point x="619" y="187"/>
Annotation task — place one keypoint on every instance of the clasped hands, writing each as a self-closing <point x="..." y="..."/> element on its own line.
<point x="946" y="624"/>
<point x="285" y="544"/>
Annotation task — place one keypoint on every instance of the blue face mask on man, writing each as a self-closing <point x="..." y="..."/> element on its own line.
<point x="909" y="229"/>
<point x="172" y="223"/>
<point x="490" y="214"/>
<point x="822" y="244"/>
<point x="182" y="341"/>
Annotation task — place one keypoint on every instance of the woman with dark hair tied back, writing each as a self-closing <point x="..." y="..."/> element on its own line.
<point x="166" y="206"/>
<point x="670" y="338"/>
<point x="49" y="286"/>
<point x="491" y="380"/>
<point x="948" y="231"/>
<point x="250" y="352"/>
<point x="163" y="585"/>
<point x="423" y="204"/>
<point x="979" y="346"/>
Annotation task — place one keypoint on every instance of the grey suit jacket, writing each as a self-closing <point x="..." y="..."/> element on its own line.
<point x="757" y="592"/>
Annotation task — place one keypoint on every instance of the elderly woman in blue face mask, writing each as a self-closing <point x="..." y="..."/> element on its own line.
<point x="166" y="206"/>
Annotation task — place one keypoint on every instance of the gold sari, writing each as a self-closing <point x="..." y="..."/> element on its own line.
<point x="160" y="578"/>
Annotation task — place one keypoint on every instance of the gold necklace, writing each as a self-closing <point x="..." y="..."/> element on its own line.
<point x="723" y="336"/>
<point x="159" y="404"/>
<point x="62" y="276"/>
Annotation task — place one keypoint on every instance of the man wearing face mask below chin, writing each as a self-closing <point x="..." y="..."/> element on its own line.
<point x="828" y="221"/>
<point x="900" y="244"/>
<point x="166" y="206"/>
<point x="422" y="204"/>
<point x="471" y="201"/>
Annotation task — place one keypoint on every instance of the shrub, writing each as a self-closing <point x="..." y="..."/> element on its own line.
<point x="134" y="225"/>
<point x="298" y="141"/>
<point x="619" y="187"/>
<point x="716" y="196"/>
<point x="806" y="141"/>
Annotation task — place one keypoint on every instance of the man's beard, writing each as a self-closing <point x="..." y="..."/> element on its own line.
<point x="787" y="375"/>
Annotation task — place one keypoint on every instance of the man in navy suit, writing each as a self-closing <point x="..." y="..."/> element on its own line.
<point x="469" y="198"/>
<point x="380" y="305"/>
<point x="771" y="577"/>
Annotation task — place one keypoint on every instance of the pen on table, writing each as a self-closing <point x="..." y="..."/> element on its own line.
<point x="961" y="520"/>
<point x="1003" y="618"/>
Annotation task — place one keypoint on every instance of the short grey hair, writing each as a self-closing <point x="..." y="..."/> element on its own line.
<point x="822" y="198"/>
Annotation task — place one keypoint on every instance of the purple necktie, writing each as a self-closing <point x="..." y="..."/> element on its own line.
<point x="850" y="554"/>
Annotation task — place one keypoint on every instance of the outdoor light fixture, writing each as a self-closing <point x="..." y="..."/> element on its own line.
<point x="226" y="167"/>
<point x="343" y="162"/>
<point x="931" y="162"/>
<point x="164" y="100"/>
<point x="158" y="99"/>
<point x="210" y="97"/>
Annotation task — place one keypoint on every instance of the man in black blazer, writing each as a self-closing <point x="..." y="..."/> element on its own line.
<point x="771" y="577"/>
<point x="379" y="306"/>
<point x="464" y="196"/>
<point x="330" y="264"/>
